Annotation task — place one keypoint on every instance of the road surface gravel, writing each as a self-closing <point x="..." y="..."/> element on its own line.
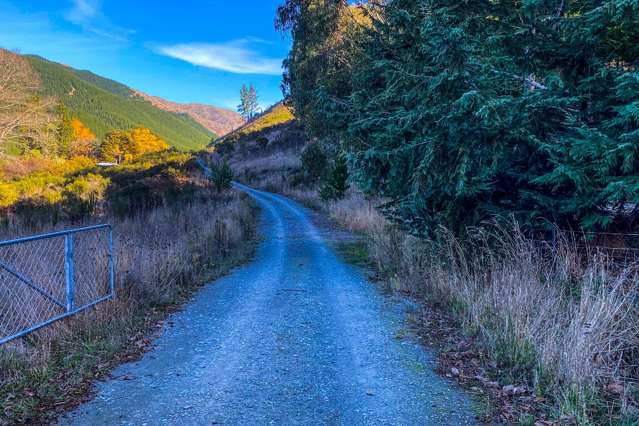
<point x="296" y="337"/>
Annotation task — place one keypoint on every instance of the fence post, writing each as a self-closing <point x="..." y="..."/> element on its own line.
<point x="111" y="263"/>
<point x="69" y="270"/>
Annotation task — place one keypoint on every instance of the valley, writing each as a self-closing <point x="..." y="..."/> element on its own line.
<point x="414" y="212"/>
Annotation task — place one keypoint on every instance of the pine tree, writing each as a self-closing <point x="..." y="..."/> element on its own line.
<point x="244" y="108"/>
<point x="253" y="103"/>
<point x="221" y="176"/>
<point x="64" y="130"/>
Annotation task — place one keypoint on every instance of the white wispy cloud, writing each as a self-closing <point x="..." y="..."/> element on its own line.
<point x="88" y="15"/>
<point x="35" y="33"/>
<point x="82" y="11"/>
<point x="236" y="56"/>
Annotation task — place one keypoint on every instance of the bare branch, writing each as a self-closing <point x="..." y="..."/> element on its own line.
<point x="19" y="106"/>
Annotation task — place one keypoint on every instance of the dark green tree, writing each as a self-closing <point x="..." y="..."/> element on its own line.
<point x="314" y="162"/>
<point x="64" y="130"/>
<point x="335" y="185"/>
<point x="460" y="110"/>
<point x="221" y="176"/>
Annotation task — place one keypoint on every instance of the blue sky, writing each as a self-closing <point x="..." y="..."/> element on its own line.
<point x="182" y="50"/>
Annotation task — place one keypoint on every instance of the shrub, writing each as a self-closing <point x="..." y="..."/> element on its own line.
<point x="314" y="162"/>
<point x="221" y="176"/>
<point x="82" y="196"/>
<point x="336" y="183"/>
<point x="262" y="142"/>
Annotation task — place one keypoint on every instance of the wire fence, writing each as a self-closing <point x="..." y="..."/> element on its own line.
<point x="621" y="248"/>
<point x="48" y="277"/>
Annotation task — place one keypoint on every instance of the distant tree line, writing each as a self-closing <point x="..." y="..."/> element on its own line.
<point x="461" y="110"/>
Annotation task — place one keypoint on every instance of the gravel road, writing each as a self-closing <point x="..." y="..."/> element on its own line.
<point x="297" y="337"/>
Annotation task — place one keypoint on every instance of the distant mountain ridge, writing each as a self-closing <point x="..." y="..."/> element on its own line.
<point x="104" y="105"/>
<point x="218" y="120"/>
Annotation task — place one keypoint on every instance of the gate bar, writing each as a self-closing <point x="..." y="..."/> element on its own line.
<point x="69" y="272"/>
<point x="54" y="319"/>
<point x="52" y="235"/>
<point x="30" y="283"/>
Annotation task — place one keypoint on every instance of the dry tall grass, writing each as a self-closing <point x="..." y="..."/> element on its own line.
<point x="159" y="255"/>
<point x="564" y="321"/>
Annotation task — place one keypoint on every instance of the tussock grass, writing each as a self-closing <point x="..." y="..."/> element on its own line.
<point x="276" y="163"/>
<point x="276" y="115"/>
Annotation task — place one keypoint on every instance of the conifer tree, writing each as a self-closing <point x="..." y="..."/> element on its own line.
<point x="336" y="183"/>
<point x="253" y="103"/>
<point x="460" y="110"/>
<point x="221" y="176"/>
<point x="244" y="108"/>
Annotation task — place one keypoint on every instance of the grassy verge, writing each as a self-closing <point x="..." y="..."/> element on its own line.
<point x="162" y="257"/>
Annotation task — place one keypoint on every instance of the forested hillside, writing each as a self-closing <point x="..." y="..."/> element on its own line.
<point x="56" y="125"/>
<point x="104" y="105"/>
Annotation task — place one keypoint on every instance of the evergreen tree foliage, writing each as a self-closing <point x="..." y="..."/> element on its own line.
<point x="244" y="108"/>
<point x="252" y="101"/>
<point x="460" y="110"/>
<point x="248" y="102"/>
<point x="314" y="162"/>
<point x="64" y="133"/>
<point x="336" y="183"/>
<point x="221" y="176"/>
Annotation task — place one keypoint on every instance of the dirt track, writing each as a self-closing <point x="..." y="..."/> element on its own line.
<point x="295" y="337"/>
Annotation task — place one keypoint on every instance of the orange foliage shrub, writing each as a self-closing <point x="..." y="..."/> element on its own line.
<point x="84" y="141"/>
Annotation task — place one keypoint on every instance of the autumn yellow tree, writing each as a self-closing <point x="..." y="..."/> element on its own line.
<point x="84" y="141"/>
<point x="146" y="141"/>
<point x="120" y="146"/>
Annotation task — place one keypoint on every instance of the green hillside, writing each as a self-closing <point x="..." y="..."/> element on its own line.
<point x="104" y="105"/>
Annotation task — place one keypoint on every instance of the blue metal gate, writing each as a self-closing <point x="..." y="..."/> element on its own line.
<point x="45" y="278"/>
